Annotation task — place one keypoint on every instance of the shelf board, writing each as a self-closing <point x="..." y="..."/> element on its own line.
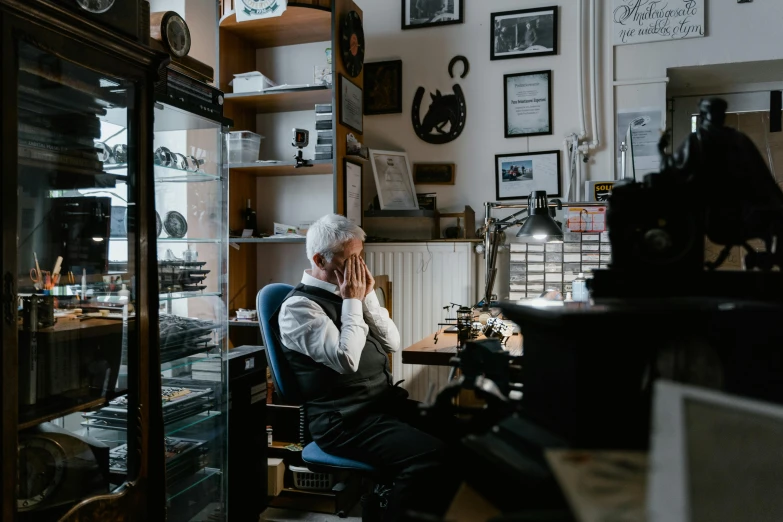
<point x="297" y="25"/>
<point x="234" y="322"/>
<point x="262" y="240"/>
<point x="279" y="101"/>
<point x="284" y="168"/>
<point x="59" y="406"/>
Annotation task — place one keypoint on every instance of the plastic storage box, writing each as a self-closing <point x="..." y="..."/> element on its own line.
<point x="252" y="81"/>
<point x="243" y="146"/>
<point x="306" y="479"/>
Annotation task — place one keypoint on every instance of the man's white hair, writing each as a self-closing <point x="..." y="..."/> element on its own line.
<point x="328" y="236"/>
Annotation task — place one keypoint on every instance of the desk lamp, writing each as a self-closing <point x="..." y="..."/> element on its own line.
<point x="537" y="226"/>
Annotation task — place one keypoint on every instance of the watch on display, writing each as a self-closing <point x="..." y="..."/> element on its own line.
<point x="352" y="43"/>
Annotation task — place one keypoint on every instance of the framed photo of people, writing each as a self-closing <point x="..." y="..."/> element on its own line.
<point x="517" y="175"/>
<point x="528" y="104"/>
<point x="417" y="14"/>
<point x="523" y="33"/>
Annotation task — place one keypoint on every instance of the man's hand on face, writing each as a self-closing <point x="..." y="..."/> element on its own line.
<point x="352" y="280"/>
<point x="369" y="278"/>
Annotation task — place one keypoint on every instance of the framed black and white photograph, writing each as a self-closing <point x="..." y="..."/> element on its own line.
<point x="434" y="173"/>
<point x="528" y="104"/>
<point x="383" y="87"/>
<point x="417" y="14"/>
<point x="523" y="33"/>
<point x="393" y="179"/>
<point x="517" y="175"/>
<point x="352" y="187"/>
<point x="351" y="105"/>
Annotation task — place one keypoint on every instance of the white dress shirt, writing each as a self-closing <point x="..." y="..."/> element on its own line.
<point x="305" y="328"/>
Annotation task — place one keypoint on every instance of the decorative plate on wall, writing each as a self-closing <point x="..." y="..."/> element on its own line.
<point x="352" y="43"/>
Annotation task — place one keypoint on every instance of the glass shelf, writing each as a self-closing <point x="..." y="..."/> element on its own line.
<point x="193" y="481"/>
<point x="172" y="175"/>
<point x="175" y="240"/>
<point x="261" y="240"/>
<point x="176" y="427"/>
<point x="171" y="296"/>
<point x="183" y="362"/>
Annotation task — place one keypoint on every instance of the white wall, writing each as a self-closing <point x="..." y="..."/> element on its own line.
<point x="425" y="55"/>
<point x="736" y="32"/>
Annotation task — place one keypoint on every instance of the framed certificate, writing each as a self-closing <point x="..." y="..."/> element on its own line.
<point x="528" y="104"/>
<point x="353" y="191"/>
<point x="392" y="172"/>
<point x="351" y="105"/>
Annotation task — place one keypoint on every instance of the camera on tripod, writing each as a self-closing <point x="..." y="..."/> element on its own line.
<point x="301" y="140"/>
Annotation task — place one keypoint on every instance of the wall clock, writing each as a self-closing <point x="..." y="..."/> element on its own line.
<point x="352" y="43"/>
<point x="170" y="29"/>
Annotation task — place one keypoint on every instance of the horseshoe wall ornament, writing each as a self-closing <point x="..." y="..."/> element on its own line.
<point x="444" y="110"/>
<point x="465" y="66"/>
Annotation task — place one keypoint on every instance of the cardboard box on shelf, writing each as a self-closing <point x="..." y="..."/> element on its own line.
<point x="275" y="470"/>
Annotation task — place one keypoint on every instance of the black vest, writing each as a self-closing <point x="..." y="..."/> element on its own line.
<point x="322" y="388"/>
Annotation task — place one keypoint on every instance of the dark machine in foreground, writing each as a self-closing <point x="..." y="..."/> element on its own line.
<point x="660" y="311"/>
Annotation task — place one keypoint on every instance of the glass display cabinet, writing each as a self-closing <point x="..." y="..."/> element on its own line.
<point x="79" y="321"/>
<point x="191" y="185"/>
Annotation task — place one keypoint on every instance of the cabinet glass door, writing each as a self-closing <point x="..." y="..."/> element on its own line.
<point x="76" y="280"/>
<point x="190" y="199"/>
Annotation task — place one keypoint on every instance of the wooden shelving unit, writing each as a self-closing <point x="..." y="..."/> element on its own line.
<point x="304" y="21"/>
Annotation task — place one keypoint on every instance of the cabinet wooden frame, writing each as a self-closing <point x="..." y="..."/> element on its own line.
<point x="62" y="32"/>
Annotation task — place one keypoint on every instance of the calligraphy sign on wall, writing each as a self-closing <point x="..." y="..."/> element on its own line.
<point x="638" y="21"/>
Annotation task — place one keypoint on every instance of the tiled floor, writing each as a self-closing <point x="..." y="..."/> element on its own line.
<point x="290" y="515"/>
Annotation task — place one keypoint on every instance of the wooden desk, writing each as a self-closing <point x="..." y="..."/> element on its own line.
<point x="430" y="353"/>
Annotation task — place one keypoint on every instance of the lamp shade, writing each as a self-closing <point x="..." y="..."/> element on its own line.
<point x="540" y="225"/>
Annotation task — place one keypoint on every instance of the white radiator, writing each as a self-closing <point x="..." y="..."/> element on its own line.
<point x="425" y="277"/>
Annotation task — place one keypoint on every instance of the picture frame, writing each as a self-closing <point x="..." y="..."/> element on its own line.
<point x="352" y="190"/>
<point x="517" y="175"/>
<point x="383" y="87"/>
<point x="394" y="180"/>
<point x="527" y="99"/>
<point x="523" y="33"/>
<point x="434" y="173"/>
<point x="418" y="14"/>
<point x="351" y="105"/>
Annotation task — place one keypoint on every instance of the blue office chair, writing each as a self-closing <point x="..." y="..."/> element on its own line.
<point x="268" y="301"/>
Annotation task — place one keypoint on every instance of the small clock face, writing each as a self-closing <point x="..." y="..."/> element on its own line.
<point x="352" y="43"/>
<point x="178" y="36"/>
<point x="41" y="469"/>
<point x="95" y="6"/>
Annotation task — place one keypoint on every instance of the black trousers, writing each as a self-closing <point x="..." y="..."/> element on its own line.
<point x="415" y="451"/>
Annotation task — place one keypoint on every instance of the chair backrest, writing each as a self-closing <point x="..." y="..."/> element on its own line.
<point x="268" y="301"/>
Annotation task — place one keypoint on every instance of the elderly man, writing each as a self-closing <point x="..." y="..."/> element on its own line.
<point x="336" y="338"/>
